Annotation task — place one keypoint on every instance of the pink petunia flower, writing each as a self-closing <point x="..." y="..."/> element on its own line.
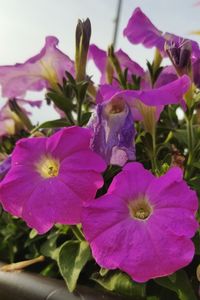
<point x="146" y="105"/>
<point x="100" y="59"/>
<point x="182" y="52"/>
<point x="143" y="225"/>
<point x="51" y="177"/>
<point x="140" y="30"/>
<point x="113" y="120"/>
<point x="45" y="69"/>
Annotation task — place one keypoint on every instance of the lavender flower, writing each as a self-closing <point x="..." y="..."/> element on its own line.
<point x="114" y="132"/>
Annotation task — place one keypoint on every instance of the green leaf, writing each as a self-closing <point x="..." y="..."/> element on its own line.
<point x="49" y="247"/>
<point x="60" y="101"/>
<point x="82" y="89"/>
<point x="180" y="285"/>
<point x="118" y="282"/>
<point x="103" y="272"/>
<point x="196" y="164"/>
<point x="72" y="258"/>
<point x="52" y="124"/>
<point x="70" y="78"/>
<point x="181" y="136"/>
<point x="172" y="278"/>
<point x="196" y="241"/>
<point x="85" y="118"/>
<point x="33" y="233"/>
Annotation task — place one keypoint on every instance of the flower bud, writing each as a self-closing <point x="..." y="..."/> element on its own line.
<point x="180" y="56"/>
<point x="83" y="33"/>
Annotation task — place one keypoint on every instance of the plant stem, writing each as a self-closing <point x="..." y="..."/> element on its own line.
<point x="77" y="232"/>
<point x="153" y="157"/>
<point x="190" y="136"/>
<point x="79" y="113"/>
<point x="22" y="264"/>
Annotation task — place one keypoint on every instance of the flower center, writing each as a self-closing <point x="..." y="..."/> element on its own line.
<point x="140" y="208"/>
<point x="49" y="73"/>
<point x="48" y="167"/>
<point x="115" y="107"/>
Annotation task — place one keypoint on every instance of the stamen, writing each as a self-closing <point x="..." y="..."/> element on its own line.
<point x="48" y="167"/>
<point x="140" y="208"/>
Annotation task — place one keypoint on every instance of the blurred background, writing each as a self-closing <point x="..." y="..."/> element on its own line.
<point x="24" y="24"/>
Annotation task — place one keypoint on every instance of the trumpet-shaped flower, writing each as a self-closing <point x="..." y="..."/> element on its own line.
<point x="167" y="75"/>
<point x="140" y="30"/>
<point x="113" y="132"/>
<point x="144" y="224"/>
<point x="51" y="177"/>
<point x="150" y="99"/>
<point x="113" y="121"/>
<point x="101" y="60"/>
<point x="43" y="70"/>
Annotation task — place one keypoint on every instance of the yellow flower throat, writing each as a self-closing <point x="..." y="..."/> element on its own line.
<point x="48" y="167"/>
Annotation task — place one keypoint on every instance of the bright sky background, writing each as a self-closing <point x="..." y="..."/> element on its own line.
<point x="25" y="23"/>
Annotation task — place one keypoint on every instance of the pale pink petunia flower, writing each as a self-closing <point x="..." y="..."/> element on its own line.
<point x="43" y="70"/>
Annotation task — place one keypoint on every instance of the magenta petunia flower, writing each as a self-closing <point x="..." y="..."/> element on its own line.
<point x="167" y="75"/>
<point x="46" y="69"/>
<point x="100" y="59"/>
<point x="51" y="177"/>
<point x="144" y="224"/>
<point x="140" y="30"/>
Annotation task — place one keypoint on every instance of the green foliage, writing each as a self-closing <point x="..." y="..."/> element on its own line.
<point x="72" y="257"/>
<point x="180" y="284"/>
<point x="51" y="124"/>
<point x="121" y="283"/>
<point x="154" y="73"/>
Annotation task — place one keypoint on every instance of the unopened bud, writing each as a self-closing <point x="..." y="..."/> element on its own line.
<point x="180" y="56"/>
<point x="83" y="34"/>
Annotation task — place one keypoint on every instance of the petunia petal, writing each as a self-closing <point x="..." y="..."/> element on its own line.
<point x="43" y="70"/>
<point x="46" y="206"/>
<point x="16" y="187"/>
<point x="59" y="146"/>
